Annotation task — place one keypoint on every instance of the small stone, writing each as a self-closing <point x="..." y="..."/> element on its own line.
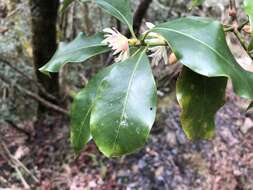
<point x="159" y="171"/>
<point x="228" y="137"/>
<point x="122" y="173"/>
<point x="247" y="125"/>
<point x="181" y="137"/>
<point x="135" y="168"/>
<point x="142" y="164"/>
<point x="92" y="184"/>
<point x="171" y="138"/>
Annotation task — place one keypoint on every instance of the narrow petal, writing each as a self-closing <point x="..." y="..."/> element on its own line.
<point x="150" y="25"/>
<point x="109" y="30"/>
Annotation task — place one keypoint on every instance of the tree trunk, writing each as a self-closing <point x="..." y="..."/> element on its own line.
<point x="44" y="44"/>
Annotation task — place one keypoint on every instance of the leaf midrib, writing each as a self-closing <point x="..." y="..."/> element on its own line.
<point x="126" y="98"/>
<point x="211" y="48"/>
<point x="129" y="25"/>
<point x="79" y="49"/>
<point x="83" y="122"/>
<point x="196" y="39"/>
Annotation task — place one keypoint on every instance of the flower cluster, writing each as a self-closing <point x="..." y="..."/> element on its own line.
<point x="158" y="53"/>
<point x="120" y="44"/>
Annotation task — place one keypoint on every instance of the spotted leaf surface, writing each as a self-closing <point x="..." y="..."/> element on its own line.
<point x="125" y="107"/>
<point x="81" y="110"/>
<point x="200" y="98"/>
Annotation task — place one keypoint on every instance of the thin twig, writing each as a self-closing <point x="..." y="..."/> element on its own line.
<point x="140" y="13"/>
<point x="233" y="12"/>
<point x="25" y="169"/>
<point x="241" y="40"/>
<point x="25" y="184"/>
<point x="38" y="85"/>
<point x="16" y="164"/>
<point x="236" y="28"/>
<point x="12" y="124"/>
<point x="239" y="28"/>
<point x="36" y="97"/>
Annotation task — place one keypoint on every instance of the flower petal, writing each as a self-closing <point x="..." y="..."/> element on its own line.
<point x="150" y="25"/>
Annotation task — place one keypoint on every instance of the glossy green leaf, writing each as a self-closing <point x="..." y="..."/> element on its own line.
<point x="125" y="107"/>
<point x="248" y="5"/>
<point x="200" y="98"/>
<point x="80" y="49"/>
<point x="81" y="110"/>
<point x="120" y="9"/>
<point x="200" y="45"/>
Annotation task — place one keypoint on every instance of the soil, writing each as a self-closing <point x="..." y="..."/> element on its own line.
<point x="168" y="161"/>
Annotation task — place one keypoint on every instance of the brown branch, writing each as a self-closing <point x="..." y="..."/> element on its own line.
<point x="229" y="28"/>
<point x="38" y="85"/>
<point x="139" y="15"/>
<point x="16" y="69"/>
<point x="233" y="13"/>
<point x="12" y="124"/>
<point x="236" y="28"/>
<point x="36" y="97"/>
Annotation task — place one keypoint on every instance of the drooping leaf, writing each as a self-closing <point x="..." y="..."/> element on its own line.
<point x="200" y="45"/>
<point x="248" y="6"/>
<point x="200" y="98"/>
<point x="80" y="49"/>
<point x="118" y="8"/>
<point x="125" y="107"/>
<point x="81" y="110"/>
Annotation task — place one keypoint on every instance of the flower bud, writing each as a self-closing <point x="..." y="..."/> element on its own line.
<point x="247" y="29"/>
<point x="172" y="58"/>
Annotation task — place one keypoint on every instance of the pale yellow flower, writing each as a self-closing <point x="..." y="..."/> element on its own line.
<point x="158" y="53"/>
<point x="118" y="42"/>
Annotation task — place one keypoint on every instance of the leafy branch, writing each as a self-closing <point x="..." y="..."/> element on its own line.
<point x="117" y="107"/>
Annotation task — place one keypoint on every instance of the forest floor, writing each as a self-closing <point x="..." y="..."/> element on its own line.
<point x="167" y="162"/>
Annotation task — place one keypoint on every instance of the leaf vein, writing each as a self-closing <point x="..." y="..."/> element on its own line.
<point x="126" y="98"/>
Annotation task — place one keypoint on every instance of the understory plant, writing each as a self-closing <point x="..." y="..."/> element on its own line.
<point x="118" y="106"/>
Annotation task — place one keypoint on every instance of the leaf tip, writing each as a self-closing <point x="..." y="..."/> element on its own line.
<point x="44" y="71"/>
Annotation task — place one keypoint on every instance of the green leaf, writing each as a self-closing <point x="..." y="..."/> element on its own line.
<point x="118" y="8"/>
<point x="80" y="49"/>
<point x="248" y="6"/>
<point x="65" y="5"/>
<point x="125" y="107"/>
<point x="200" y="98"/>
<point x="200" y="44"/>
<point x="81" y="110"/>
